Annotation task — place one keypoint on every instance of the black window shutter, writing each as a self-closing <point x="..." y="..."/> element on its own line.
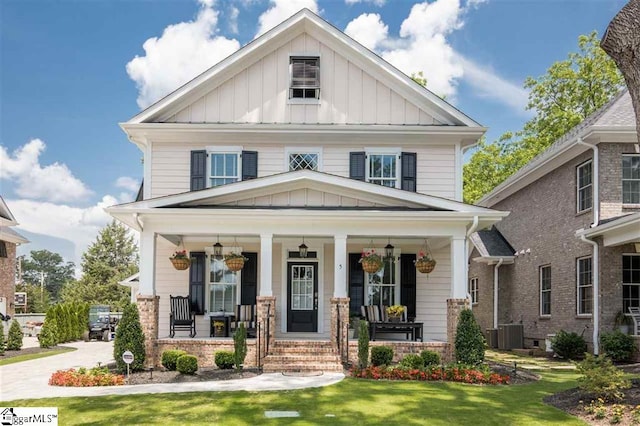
<point x="249" y="165"/>
<point x="356" y="283"/>
<point x="409" y="171"/>
<point x="198" y="170"/>
<point x="357" y="165"/>
<point x="408" y="283"/>
<point x="249" y="280"/>
<point x="196" y="281"/>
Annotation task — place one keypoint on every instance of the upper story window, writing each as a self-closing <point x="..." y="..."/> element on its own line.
<point x="630" y="281"/>
<point x="382" y="169"/>
<point x="584" y="184"/>
<point x="224" y="167"/>
<point x="3" y="249"/>
<point x="545" y="290"/>
<point x="303" y="159"/>
<point x="473" y="290"/>
<point x="585" y="286"/>
<point x="305" y="77"/>
<point x="631" y="179"/>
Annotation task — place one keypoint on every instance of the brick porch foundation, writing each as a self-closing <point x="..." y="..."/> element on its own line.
<point x="204" y="350"/>
<point x="339" y="307"/>
<point x="266" y="306"/>
<point x="454" y="307"/>
<point x="148" y="310"/>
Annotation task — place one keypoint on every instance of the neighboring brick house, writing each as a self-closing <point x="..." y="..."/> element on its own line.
<point x="587" y="184"/>
<point x="9" y="240"/>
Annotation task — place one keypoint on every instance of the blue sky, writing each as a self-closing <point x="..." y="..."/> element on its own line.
<point x="65" y="85"/>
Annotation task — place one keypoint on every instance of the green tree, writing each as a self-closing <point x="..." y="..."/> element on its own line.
<point x="110" y="259"/>
<point x="38" y="299"/>
<point x="2" y="343"/>
<point x="129" y="337"/>
<point x="569" y="92"/>
<point x="14" y="339"/>
<point x="469" y="344"/>
<point x="52" y="265"/>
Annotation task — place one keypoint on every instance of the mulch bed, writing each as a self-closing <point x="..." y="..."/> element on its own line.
<point x="202" y="375"/>
<point x="29" y="351"/>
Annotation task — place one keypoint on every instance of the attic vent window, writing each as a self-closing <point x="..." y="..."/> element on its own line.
<point x="305" y="77"/>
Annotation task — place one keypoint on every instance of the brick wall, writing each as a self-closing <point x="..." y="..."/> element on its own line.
<point x="7" y="277"/>
<point x="205" y="349"/>
<point x="611" y="179"/>
<point x="400" y="349"/>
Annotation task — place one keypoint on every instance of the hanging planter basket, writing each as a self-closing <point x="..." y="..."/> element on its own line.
<point x="371" y="266"/>
<point x="425" y="266"/>
<point x="180" y="263"/>
<point x="234" y="264"/>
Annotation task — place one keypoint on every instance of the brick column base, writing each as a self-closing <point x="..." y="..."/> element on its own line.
<point x="339" y="306"/>
<point x="148" y="310"/>
<point x="454" y="307"/>
<point x="266" y="306"/>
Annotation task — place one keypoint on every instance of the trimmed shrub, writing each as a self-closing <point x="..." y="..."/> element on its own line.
<point x="224" y="360"/>
<point x="469" y="344"/>
<point x="14" y="340"/>
<point x="187" y="364"/>
<point x="2" y="343"/>
<point x="618" y="346"/>
<point x="601" y="378"/>
<point x="363" y="344"/>
<point x="51" y="321"/>
<point x="129" y="337"/>
<point x="430" y="358"/>
<point x="569" y="345"/>
<point x="381" y="355"/>
<point x="240" y="346"/>
<point x="170" y="358"/>
<point x="47" y="337"/>
<point x="412" y="361"/>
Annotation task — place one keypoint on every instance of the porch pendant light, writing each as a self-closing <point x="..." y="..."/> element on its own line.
<point x="217" y="249"/>
<point x="388" y="250"/>
<point x="303" y="249"/>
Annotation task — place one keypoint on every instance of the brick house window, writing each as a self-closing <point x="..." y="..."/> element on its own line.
<point x="585" y="285"/>
<point x="584" y="186"/>
<point x="3" y="249"/>
<point x="545" y="290"/>
<point x="630" y="281"/>
<point x="631" y="179"/>
<point x="473" y="290"/>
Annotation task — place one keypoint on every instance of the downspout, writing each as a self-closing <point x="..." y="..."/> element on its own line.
<point x="596" y="295"/>
<point x="495" y="292"/>
<point x="471" y="230"/>
<point x="596" y="181"/>
<point x="136" y="216"/>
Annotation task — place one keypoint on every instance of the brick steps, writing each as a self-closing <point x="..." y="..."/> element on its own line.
<point x="288" y="356"/>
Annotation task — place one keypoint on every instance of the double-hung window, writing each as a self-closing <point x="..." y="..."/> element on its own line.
<point x="545" y="290"/>
<point x="223" y="287"/>
<point x="382" y="168"/>
<point x="631" y="179"/>
<point x="584" y="184"/>
<point x="383" y="287"/>
<point x="630" y="281"/>
<point x="585" y="285"/>
<point x="224" y="167"/>
<point x="473" y="290"/>
<point x="305" y="77"/>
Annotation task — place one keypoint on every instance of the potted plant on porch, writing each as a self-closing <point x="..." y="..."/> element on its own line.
<point x="180" y="260"/>
<point x="623" y="322"/>
<point x="371" y="261"/>
<point x="234" y="261"/>
<point x="425" y="263"/>
<point x="394" y="312"/>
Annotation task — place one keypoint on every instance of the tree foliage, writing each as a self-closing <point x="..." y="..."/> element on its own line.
<point x="14" y="339"/>
<point x="56" y="271"/>
<point x="110" y="259"/>
<point x="38" y="299"/>
<point x="129" y="337"/>
<point x="469" y="344"/>
<point x="569" y="92"/>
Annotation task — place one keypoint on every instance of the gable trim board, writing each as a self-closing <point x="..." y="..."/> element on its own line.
<point x="301" y="22"/>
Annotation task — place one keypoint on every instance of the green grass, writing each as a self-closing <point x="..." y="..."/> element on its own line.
<point x="27" y="357"/>
<point x="352" y="402"/>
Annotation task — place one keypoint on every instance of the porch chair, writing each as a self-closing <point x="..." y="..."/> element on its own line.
<point x="635" y="316"/>
<point x="182" y="317"/>
<point x="246" y="314"/>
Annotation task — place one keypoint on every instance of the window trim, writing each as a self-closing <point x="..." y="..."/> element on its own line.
<point x="540" y="269"/>
<point x="622" y="278"/>
<point x="397" y="278"/>
<point x="304" y="55"/>
<point x="578" y="188"/>
<point x="208" y="283"/>
<point x="622" y="180"/>
<point x="578" y="313"/>
<point x="473" y="290"/>
<point x="302" y="150"/>
<point x="397" y="152"/>
<point x="237" y="150"/>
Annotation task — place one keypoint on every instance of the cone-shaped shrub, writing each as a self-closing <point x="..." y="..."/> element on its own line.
<point x="47" y="337"/>
<point x="240" y="346"/>
<point x="469" y="340"/>
<point x="363" y="345"/>
<point x="1" y="338"/>
<point x="129" y="337"/>
<point x="14" y="340"/>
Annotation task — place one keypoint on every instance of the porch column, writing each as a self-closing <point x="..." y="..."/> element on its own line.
<point x="458" y="268"/>
<point x="340" y="266"/>
<point x="148" y="310"/>
<point x="266" y="261"/>
<point x="147" y="285"/>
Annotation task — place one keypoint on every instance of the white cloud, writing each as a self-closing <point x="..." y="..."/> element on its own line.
<point x="53" y="182"/>
<point x="234" y="12"/>
<point x="128" y="183"/>
<point x="281" y="10"/>
<point x="375" y="2"/>
<point x="368" y="29"/>
<point x="182" y="52"/>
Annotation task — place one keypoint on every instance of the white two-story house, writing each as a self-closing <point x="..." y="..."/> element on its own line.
<point x="303" y="136"/>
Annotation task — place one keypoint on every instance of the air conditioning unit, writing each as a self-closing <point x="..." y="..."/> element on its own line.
<point x="510" y="336"/>
<point x="491" y="335"/>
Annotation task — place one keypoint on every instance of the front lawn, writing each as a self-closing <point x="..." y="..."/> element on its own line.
<point x="350" y="402"/>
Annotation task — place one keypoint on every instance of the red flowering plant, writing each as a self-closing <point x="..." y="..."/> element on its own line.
<point x="180" y="254"/>
<point x="370" y="256"/>
<point x="450" y="373"/>
<point x="98" y="376"/>
<point x="423" y="257"/>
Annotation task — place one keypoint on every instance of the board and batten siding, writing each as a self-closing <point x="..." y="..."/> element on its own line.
<point x="171" y="162"/>
<point x="259" y="94"/>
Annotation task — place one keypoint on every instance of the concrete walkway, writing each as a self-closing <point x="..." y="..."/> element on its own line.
<point x="29" y="379"/>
